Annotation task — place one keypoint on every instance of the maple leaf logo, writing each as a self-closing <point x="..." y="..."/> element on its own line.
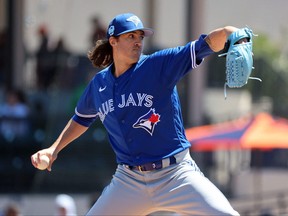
<point x="154" y="118"/>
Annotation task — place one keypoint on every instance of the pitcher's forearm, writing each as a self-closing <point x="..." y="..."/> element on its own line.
<point x="216" y="39"/>
<point x="71" y="132"/>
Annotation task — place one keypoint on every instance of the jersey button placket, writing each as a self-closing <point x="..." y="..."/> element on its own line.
<point x="116" y="88"/>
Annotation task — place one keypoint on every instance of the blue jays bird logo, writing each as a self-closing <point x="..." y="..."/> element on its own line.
<point x="134" y="19"/>
<point x="148" y="121"/>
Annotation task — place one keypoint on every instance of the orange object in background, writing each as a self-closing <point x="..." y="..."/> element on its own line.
<point x="262" y="131"/>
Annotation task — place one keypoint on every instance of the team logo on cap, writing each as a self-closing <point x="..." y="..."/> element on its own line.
<point x="111" y="30"/>
<point x="148" y="121"/>
<point x="134" y="19"/>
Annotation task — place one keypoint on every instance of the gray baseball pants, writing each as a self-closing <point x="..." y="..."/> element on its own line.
<point x="180" y="188"/>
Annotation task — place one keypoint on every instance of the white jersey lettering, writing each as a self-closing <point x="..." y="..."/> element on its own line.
<point x="132" y="100"/>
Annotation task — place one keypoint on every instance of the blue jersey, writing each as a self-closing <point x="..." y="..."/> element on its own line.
<point x="141" y="109"/>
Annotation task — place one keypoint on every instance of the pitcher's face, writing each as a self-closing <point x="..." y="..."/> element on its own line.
<point x="129" y="46"/>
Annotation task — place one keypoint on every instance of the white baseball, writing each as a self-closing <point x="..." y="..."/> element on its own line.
<point x="44" y="162"/>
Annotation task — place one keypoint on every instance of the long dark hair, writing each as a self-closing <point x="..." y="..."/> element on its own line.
<point x="101" y="54"/>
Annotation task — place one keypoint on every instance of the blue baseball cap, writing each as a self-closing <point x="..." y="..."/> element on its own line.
<point x="125" y="23"/>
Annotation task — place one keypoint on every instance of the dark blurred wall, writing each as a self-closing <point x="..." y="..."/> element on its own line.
<point x="3" y="41"/>
<point x="11" y="43"/>
<point x="15" y="72"/>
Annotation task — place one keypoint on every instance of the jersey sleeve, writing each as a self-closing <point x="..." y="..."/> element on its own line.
<point x="172" y="64"/>
<point x="85" y="111"/>
<point x="83" y="121"/>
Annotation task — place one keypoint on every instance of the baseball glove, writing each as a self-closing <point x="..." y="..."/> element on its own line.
<point x="239" y="58"/>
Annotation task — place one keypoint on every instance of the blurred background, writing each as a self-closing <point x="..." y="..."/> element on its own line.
<point x="44" y="69"/>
